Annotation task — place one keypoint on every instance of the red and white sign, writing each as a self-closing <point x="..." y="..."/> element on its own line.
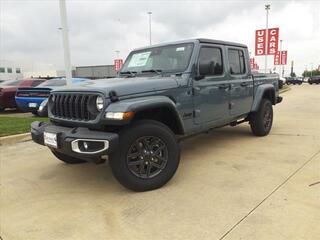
<point x="118" y="64"/>
<point x="251" y="63"/>
<point x="272" y="41"/>
<point x="280" y="58"/>
<point x="284" y="55"/>
<point x="277" y="59"/>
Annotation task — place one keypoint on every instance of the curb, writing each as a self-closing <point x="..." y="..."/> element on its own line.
<point x="284" y="90"/>
<point x="7" y="140"/>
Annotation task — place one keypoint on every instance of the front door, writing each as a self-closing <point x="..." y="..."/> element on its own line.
<point x="211" y="92"/>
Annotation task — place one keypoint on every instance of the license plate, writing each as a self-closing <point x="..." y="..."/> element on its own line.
<point x="50" y="139"/>
<point x="33" y="105"/>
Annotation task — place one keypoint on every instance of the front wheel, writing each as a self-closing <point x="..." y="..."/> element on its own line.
<point x="261" y="121"/>
<point x="148" y="157"/>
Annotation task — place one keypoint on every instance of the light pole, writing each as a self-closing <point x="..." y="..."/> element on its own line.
<point x="150" y="13"/>
<point x="267" y="8"/>
<point x="117" y="53"/>
<point x="280" y="56"/>
<point x="65" y="40"/>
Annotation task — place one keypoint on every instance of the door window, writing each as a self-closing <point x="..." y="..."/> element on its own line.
<point x="236" y="61"/>
<point x="210" y="61"/>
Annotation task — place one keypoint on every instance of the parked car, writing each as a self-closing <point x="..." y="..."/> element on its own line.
<point x="8" y="90"/>
<point x="314" y="79"/>
<point x="30" y="99"/>
<point x="294" y="80"/>
<point x="163" y="93"/>
<point x="282" y="81"/>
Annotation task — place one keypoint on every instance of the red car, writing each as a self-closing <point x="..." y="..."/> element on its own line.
<point x="8" y="90"/>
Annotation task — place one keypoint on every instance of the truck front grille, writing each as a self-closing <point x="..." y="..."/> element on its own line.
<point x="73" y="106"/>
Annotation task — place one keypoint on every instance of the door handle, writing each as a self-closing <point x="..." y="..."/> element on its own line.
<point x="243" y="84"/>
<point x="223" y="86"/>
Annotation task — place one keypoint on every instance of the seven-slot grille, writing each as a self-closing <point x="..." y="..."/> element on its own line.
<point x="73" y="106"/>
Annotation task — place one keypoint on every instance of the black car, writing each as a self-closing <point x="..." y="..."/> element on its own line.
<point x="314" y="79"/>
<point x="293" y="80"/>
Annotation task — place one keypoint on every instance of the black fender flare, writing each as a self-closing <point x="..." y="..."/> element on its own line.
<point x="139" y="104"/>
<point x="259" y="93"/>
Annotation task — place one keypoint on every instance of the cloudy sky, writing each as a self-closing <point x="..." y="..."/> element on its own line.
<point x="30" y="35"/>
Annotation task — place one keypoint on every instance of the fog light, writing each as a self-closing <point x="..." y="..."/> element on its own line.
<point x="85" y="145"/>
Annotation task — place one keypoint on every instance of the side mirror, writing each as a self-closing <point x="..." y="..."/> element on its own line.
<point x="205" y="68"/>
<point x="199" y="77"/>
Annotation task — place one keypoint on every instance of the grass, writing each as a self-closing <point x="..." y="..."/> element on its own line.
<point x="17" y="125"/>
<point x="284" y="89"/>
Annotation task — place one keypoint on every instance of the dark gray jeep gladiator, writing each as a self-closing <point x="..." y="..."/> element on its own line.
<point x="163" y="93"/>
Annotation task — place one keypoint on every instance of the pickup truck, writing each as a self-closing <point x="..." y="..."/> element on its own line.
<point x="162" y="94"/>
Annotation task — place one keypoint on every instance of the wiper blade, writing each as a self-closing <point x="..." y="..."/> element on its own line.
<point x="128" y="73"/>
<point x="158" y="71"/>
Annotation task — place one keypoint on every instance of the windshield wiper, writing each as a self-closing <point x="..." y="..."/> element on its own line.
<point x="158" y="71"/>
<point x="131" y="73"/>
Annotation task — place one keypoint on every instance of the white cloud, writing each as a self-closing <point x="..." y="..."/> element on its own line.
<point x="29" y="29"/>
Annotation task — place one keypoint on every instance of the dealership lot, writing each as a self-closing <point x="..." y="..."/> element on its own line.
<point x="230" y="185"/>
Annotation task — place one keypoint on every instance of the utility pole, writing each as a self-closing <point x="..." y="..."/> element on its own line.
<point x="65" y="40"/>
<point x="311" y="68"/>
<point x="150" y="13"/>
<point x="267" y="8"/>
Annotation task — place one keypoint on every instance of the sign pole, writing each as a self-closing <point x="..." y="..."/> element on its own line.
<point x="65" y="40"/>
<point x="267" y="8"/>
<point x="280" y="59"/>
<point x="149" y="27"/>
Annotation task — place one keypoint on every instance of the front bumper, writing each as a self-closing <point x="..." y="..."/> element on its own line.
<point x="23" y="103"/>
<point x="67" y="136"/>
<point x="279" y="99"/>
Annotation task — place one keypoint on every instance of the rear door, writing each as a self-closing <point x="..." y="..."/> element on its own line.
<point x="211" y="93"/>
<point x="241" y="88"/>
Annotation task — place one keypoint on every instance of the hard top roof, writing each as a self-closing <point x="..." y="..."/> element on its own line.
<point x="201" y="40"/>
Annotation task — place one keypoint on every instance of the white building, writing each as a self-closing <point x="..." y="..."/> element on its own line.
<point x="10" y="71"/>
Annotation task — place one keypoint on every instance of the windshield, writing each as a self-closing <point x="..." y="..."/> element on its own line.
<point x="170" y="58"/>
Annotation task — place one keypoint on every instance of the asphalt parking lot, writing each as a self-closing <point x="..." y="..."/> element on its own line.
<point x="230" y="185"/>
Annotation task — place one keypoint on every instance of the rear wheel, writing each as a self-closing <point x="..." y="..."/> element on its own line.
<point x="67" y="159"/>
<point x="261" y="121"/>
<point x="148" y="158"/>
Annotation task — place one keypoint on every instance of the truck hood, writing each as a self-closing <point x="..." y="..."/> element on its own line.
<point x="126" y="86"/>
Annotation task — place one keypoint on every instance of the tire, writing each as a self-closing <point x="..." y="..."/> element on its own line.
<point x="261" y="121"/>
<point x="67" y="159"/>
<point x="148" y="158"/>
<point x="35" y="113"/>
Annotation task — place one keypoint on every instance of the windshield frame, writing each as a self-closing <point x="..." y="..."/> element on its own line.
<point x="173" y="45"/>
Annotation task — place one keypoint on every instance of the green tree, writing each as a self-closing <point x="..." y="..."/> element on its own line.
<point x="308" y="73"/>
<point x="293" y="74"/>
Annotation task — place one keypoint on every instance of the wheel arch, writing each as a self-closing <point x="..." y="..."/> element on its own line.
<point x="159" y="108"/>
<point x="266" y="91"/>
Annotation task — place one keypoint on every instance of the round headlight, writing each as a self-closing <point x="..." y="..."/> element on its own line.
<point x="99" y="103"/>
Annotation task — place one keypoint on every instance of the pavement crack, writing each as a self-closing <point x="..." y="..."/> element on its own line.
<point x="312" y="184"/>
<point x="270" y="194"/>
